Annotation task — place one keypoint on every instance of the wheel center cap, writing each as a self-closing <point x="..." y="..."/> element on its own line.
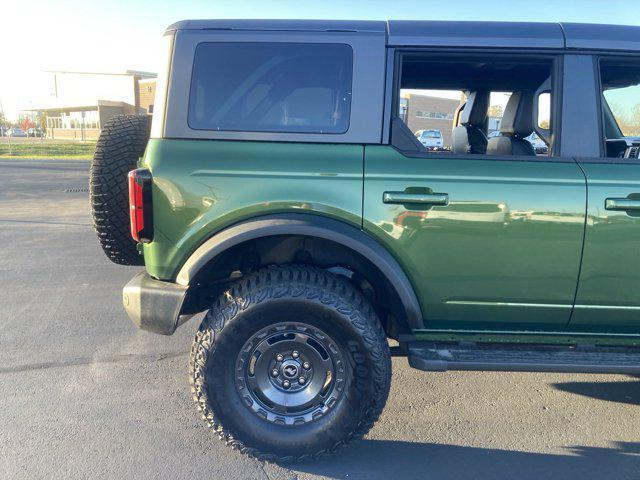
<point x="290" y="369"/>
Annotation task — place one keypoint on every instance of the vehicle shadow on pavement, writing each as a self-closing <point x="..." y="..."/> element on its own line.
<point x="616" y="391"/>
<point x="386" y="459"/>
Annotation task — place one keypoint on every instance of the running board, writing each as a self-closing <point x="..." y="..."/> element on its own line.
<point x="443" y="356"/>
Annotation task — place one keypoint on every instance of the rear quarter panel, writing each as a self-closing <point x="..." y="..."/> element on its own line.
<point x="203" y="186"/>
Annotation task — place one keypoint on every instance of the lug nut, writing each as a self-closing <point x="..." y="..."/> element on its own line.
<point x="295" y="354"/>
<point x="279" y="358"/>
<point x="302" y="380"/>
<point x="286" y="384"/>
<point x="306" y="365"/>
<point x="274" y="372"/>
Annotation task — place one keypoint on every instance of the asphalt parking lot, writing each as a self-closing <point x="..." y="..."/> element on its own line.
<point x="84" y="394"/>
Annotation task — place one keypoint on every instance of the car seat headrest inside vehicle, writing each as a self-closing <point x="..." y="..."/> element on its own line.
<point x="518" y="115"/>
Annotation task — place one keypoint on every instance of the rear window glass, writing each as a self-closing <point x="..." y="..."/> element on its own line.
<point x="271" y="87"/>
<point x="431" y="134"/>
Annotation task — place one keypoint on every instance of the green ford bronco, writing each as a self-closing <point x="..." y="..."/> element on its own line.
<point x="281" y="187"/>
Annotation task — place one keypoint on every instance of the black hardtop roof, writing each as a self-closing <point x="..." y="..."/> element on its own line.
<point x="475" y="34"/>
<point x="450" y="33"/>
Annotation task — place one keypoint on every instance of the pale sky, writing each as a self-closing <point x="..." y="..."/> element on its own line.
<point x="116" y="35"/>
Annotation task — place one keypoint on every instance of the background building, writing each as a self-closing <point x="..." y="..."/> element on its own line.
<point x="79" y="103"/>
<point x="146" y="93"/>
<point x="425" y="112"/>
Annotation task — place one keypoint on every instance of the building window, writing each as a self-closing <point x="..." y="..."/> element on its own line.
<point x="54" y="122"/>
<point x="75" y="120"/>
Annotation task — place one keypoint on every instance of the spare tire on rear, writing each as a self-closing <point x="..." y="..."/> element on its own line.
<point x="121" y="144"/>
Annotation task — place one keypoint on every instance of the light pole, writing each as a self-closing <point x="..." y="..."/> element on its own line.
<point x="8" y="136"/>
<point x="82" y="127"/>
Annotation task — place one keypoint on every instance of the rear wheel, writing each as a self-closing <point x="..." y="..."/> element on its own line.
<point x="121" y="144"/>
<point x="291" y="363"/>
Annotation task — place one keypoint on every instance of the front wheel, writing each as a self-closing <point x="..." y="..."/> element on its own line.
<point x="290" y="364"/>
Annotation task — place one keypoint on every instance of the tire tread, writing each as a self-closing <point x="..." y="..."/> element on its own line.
<point x="122" y="141"/>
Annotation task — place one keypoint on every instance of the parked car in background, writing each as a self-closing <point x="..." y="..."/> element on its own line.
<point x="35" y="132"/>
<point x="431" y="139"/>
<point x="16" y="132"/>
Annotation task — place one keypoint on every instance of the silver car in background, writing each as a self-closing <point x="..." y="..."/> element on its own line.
<point x="431" y="139"/>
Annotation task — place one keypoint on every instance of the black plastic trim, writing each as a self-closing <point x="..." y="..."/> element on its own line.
<point x="609" y="160"/>
<point x="580" y="123"/>
<point x="389" y="98"/>
<point x="313" y="226"/>
<point x="491" y="158"/>
<point x="442" y="357"/>
<point x="443" y="366"/>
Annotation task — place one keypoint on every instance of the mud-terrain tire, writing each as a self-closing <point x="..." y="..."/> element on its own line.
<point x="266" y="311"/>
<point x="121" y="144"/>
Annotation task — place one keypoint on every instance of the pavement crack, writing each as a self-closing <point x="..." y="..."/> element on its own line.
<point x="73" y="362"/>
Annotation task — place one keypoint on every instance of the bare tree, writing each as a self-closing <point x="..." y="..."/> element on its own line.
<point x="628" y="119"/>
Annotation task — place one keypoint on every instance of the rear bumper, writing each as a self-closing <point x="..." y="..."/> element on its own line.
<point x="153" y="305"/>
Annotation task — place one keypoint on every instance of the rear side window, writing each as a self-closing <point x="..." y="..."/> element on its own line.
<point x="271" y="87"/>
<point x="620" y="83"/>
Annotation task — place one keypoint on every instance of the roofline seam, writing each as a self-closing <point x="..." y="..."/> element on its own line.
<point x="564" y="35"/>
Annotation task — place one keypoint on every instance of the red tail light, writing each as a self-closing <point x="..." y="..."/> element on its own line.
<point x="140" y="208"/>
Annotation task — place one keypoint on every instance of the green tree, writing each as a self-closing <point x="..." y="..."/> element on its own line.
<point x="496" y="111"/>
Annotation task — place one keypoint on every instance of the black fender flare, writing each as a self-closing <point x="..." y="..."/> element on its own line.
<point x="312" y="226"/>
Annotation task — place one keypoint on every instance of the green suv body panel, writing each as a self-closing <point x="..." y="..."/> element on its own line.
<point x="199" y="189"/>
<point x="608" y="298"/>
<point x="502" y="254"/>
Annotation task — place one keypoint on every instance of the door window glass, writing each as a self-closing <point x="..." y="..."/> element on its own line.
<point x="620" y="81"/>
<point x="624" y="103"/>
<point x="467" y="100"/>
